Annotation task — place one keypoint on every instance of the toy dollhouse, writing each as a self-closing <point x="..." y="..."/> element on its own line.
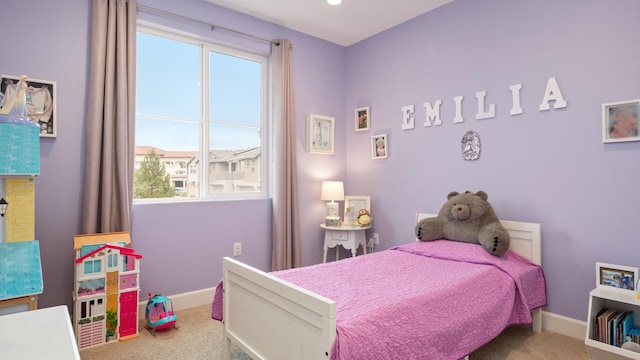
<point x="107" y="284"/>
<point x="20" y="268"/>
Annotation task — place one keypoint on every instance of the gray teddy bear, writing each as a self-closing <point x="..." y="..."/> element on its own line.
<point x="466" y="217"/>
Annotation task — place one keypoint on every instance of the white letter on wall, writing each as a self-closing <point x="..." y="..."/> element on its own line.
<point x="458" y="118"/>
<point x="482" y="113"/>
<point x="433" y="113"/>
<point x="515" y="99"/>
<point x="407" y="117"/>
<point x="552" y="93"/>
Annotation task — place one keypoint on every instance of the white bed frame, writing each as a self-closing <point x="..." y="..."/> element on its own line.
<point x="269" y="318"/>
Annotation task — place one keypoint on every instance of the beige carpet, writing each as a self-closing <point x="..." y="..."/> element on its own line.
<point x="199" y="338"/>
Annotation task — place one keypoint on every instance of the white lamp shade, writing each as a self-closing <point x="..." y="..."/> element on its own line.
<point x="332" y="191"/>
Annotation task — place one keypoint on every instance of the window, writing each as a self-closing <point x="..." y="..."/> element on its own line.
<point x="92" y="266"/>
<point x="113" y="260"/>
<point x="198" y="100"/>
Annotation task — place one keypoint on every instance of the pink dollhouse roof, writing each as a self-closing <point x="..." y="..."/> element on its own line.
<point x="123" y="251"/>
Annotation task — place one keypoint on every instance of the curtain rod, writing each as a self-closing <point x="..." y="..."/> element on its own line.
<point x="212" y="26"/>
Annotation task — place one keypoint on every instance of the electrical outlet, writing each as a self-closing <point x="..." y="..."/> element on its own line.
<point x="376" y="238"/>
<point x="237" y="249"/>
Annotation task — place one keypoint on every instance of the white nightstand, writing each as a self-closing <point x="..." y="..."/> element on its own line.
<point x="350" y="237"/>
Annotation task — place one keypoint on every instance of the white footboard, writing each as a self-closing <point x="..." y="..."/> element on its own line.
<point x="273" y="319"/>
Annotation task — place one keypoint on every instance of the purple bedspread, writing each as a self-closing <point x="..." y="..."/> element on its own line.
<point x="424" y="300"/>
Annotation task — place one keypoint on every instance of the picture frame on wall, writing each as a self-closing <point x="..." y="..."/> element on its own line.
<point x="362" y="119"/>
<point x="352" y="205"/>
<point x="620" y="121"/>
<point x="41" y="102"/>
<point x="320" y="134"/>
<point x="379" y="146"/>
<point x="616" y="277"/>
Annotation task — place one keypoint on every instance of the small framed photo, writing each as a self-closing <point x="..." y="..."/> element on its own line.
<point x="620" y="121"/>
<point x="320" y="134"/>
<point x="379" y="146"/>
<point x="41" y="101"/>
<point x="616" y="277"/>
<point x="352" y="206"/>
<point x="363" y="119"/>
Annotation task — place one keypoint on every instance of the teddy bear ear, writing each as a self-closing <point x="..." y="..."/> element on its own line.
<point x="483" y="195"/>
<point x="452" y="194"/>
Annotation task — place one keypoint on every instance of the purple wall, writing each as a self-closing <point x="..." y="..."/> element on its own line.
<point x="47" y="40"/>
<point x="182" y="243"/>
<point x="549" y="167"/>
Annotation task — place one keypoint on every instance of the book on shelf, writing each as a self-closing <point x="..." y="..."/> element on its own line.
<point x="612" y="327"/>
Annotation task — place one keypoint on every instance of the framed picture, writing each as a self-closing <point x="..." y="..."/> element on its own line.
<point x="41" y="101"/>
<point x="379" y="146"/>
<point x="320" y="134"/>
<point x="363" y="119"/>
<point x="620" y="121"/>
<point x="352" y="205"/>
<point x="616" y="277"/>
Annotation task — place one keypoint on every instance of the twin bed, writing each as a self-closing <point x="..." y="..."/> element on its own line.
<point x="423" y="300"/>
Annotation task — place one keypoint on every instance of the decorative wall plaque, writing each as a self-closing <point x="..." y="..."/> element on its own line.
<point x="470" y="145"/>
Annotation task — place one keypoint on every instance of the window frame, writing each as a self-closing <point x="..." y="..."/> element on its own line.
<point x="207" y="45"/>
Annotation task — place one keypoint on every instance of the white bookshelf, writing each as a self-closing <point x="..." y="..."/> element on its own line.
<point x="615" y="299"/>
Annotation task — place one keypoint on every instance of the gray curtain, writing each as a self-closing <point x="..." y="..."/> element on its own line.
<point x="285" y="237"/>
<point x="110" y="120"/>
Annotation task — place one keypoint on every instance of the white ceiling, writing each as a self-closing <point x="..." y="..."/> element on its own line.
<point x="344" y="24"/>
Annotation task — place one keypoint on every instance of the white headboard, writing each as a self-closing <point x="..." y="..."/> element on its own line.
<point x="525" y="237"/>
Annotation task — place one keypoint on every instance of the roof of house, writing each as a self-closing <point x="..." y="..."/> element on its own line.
<point x="123" y="251"/>
<point x="101" y="238"/>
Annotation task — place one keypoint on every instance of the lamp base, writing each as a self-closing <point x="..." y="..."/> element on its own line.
<point x="332" y="209"/>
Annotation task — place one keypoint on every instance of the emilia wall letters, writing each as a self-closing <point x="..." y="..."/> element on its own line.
<point x="551" y="93"/>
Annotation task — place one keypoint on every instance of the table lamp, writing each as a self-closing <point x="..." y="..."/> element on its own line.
<point x="332" y="191"/>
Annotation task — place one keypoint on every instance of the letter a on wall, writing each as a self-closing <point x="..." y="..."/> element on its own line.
<point x="552" y="93"/>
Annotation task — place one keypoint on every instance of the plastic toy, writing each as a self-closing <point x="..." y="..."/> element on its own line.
<point x="159" y="313"/>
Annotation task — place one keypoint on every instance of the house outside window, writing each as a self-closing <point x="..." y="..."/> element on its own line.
<point x="199" y="100"/>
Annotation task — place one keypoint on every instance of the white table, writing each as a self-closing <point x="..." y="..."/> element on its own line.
<point x="38" y="334"/>
<point x="350" y="237"/>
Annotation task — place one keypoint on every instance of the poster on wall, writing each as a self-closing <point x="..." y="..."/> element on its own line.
<point x="620" y="121"/>
<point x="362" y="119"/>
<point x="41" y="101"/>
<point x="379" y="146"/>
<point x="320" y="134"/>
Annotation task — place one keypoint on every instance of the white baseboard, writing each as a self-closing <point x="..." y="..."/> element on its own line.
<point x="184" y="300"/>
<point x="550" y="322"/>
<point x="564" y="325"/>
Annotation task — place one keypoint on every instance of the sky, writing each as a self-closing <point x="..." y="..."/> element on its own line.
<point x="168" y="97"/>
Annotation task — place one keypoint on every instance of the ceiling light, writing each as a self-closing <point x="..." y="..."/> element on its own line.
<point x="334" y="2"/>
